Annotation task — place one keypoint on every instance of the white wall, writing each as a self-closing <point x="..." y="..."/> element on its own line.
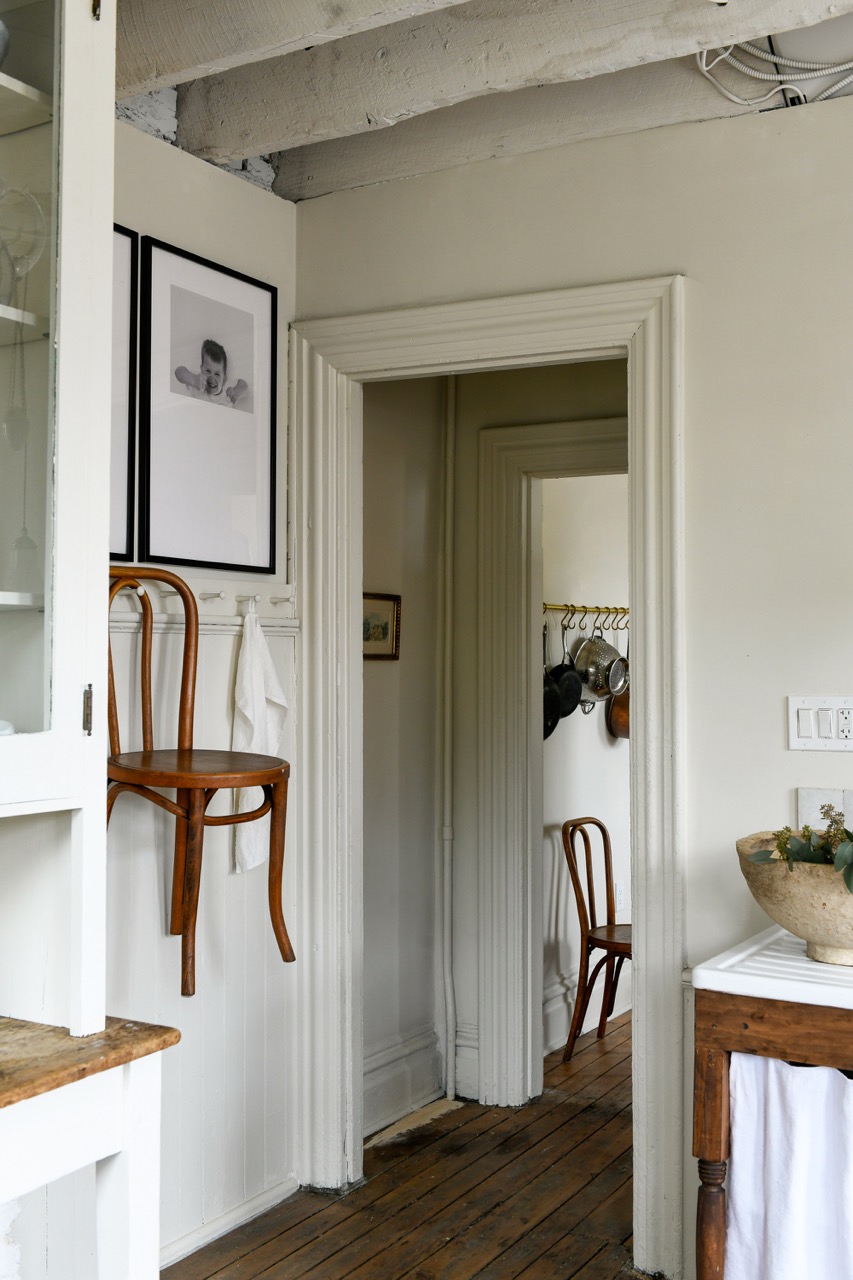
<point x="228" y="1122"/>
<point x="755" y="213"/>
<point x="585" y="561"/>
<point x="403" y="485"/>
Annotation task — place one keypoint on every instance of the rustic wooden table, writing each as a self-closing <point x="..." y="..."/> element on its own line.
<point x="67" y="1102"/>
<point x="740" y="1008"/>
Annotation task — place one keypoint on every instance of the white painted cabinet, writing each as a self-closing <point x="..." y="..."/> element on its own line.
<point x="56" y="158"/>
<point x="88" y="1098"/>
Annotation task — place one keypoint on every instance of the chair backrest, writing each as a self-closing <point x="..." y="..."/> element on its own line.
<point x="132" y="578"/>
<point x="594" y="838"/>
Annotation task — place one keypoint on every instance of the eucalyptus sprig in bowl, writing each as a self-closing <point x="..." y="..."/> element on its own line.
<point x="803" y="880"/>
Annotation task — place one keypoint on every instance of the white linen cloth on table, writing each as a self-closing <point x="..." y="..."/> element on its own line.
<point x="790" y="1181"/>
<point x="260" y="710"/>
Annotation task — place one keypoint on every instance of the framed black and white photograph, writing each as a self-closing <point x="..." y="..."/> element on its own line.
<point x="380" y="628"/>
<point x="206" y="414"/>
<point x="123" y="421"/>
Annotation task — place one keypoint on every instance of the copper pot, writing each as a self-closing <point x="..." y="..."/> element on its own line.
<point x="616" y="714"/>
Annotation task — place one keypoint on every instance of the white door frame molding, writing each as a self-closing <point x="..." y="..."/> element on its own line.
<point x="509" y="722"/>
<point x="329" y="360"/>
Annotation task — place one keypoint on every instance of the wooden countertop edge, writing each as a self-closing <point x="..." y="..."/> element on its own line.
<point x="36" y="1058"/>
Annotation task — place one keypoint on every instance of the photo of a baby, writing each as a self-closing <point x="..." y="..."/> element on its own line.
<point x="214" y="370"/>
<point x="211" y="381"/>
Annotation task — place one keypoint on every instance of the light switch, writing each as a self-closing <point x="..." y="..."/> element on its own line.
<point x="804" y="722"/>
<point x="824" y="722"/>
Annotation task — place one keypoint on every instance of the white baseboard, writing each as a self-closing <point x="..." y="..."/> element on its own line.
<point x="400" y="1077"/>
<point x="467" y="1060"/>
<point x="193" y="1240"/>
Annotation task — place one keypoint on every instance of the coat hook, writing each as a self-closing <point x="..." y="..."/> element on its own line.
<point x="211" y="595"/>
<point x="240" y="599"/>
<point x="279" y="599"/>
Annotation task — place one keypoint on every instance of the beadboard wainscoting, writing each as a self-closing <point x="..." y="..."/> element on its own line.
<point x="227" y="1130"/>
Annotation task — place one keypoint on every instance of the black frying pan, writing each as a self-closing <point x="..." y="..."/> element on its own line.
<point x="567" y="680"/>
<point x="552" y="701"/>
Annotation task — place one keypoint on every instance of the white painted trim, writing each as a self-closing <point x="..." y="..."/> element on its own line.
<point x="329" y="358"/>
<point x="400" y="1077"/>
<point x="510" y="734"/>
<point x="225" y="1222"/>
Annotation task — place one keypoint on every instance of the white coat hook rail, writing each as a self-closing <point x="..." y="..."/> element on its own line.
<point x="611" y="617"/>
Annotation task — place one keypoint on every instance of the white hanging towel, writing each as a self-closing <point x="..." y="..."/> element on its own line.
<point x="790" y="1183"/>
<point x="260" y="710"/>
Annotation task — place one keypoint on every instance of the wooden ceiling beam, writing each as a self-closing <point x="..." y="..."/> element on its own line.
<point x="507" y="125"/>
<point x="161" y="43"/>
<point x="380" y="77"/>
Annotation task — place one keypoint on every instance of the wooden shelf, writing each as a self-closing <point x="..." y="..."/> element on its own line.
<point x="15" y="600"/>
<point x="21" y="107"/>
<point x="36" y="1058"/>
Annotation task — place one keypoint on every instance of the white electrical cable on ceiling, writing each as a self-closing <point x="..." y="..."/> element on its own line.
<point x="805" y="70"/>
<point x="733" y="97"/>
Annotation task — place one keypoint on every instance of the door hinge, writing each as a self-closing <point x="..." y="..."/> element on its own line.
<point x="96" y="10"/>
<point x="87" y="709"/>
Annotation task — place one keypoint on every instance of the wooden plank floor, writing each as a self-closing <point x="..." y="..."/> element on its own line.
<point x="542" y="1190"/>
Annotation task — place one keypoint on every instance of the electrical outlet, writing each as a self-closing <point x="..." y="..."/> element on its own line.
<point x="620" y="895"/>
<point x="845" y="722"/>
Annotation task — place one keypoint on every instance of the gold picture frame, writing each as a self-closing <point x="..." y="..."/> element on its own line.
<point x="381" y="626"/>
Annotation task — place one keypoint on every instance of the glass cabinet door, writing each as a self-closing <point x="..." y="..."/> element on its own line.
<point x="57" y="68"/>
<point x="28" y="168"/>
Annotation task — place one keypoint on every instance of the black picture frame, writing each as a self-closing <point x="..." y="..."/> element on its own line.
<point x="124" y="371"/>
<point x="207" y="413"/>
<point x="380" y="626"/>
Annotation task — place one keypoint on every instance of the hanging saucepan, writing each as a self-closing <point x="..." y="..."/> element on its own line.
<point x="616" y="714"/>
<point x="551" y="692"/>
<point x="567" y="679"/>
<point x="600" y="666"/>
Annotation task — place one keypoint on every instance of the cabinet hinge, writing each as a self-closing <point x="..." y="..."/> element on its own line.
<point x="87" y="709"/>
<point x="96" y="10"/>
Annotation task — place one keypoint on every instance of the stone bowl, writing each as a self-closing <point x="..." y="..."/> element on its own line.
<point x="812" y="901"/>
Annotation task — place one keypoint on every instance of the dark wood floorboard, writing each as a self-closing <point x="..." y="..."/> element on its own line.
<point x="542" y="1190"/>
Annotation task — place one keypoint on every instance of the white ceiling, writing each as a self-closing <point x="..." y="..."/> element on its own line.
<point x="336" y="95"/>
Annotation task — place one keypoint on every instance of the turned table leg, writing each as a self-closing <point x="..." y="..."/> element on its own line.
<point x="711" y="1147"/>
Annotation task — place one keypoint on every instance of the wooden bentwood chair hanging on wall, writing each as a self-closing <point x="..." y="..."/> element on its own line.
<point x="195" y="774"/>
<point x="611" y="938"/>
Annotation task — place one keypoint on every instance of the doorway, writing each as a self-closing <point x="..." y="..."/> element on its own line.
<point x="329" y="361"/>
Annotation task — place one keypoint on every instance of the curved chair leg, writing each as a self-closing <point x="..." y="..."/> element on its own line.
<point x="176" y="923"/>
<point x="606" y="999"/>
<point x="278" y="816"/>
<point x="619" y="964"/>
<point x="581" y="1001"/>
<point x="192" y="882"/>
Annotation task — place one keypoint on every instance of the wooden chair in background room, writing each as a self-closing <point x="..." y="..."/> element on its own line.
<point x="611" y="938"/>
<point x="195" y="774"/>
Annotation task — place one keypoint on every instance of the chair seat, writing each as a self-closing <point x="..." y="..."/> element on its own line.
<point x="613" y="937"/>
<point x="196" y="767"/>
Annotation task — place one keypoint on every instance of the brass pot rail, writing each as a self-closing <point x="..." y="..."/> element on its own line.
<point x="610" y="617"/>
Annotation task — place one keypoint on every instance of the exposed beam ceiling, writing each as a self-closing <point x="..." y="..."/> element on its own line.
<point x="161" y="43"/>
<point x="505" y="125"/>
<point x="316" y="84"/>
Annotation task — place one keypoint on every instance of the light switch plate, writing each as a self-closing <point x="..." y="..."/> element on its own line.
<point x="814" y="724"/>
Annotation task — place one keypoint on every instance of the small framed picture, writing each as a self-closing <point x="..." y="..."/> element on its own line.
<point x="206" y="413"/>
<point x="381" y="626"/>
<point x="123" y="421"/>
